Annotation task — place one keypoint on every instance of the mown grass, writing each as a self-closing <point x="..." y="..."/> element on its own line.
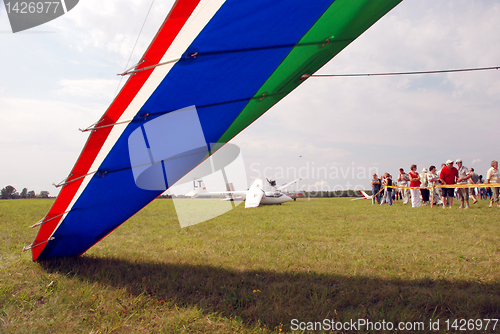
<point x="253" y="271"/>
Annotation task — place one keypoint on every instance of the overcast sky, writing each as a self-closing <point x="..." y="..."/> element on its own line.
<point x="61" y="76"/>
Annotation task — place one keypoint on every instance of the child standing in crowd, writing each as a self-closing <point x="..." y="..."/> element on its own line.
<point x="474" y="179"/>
<point x="482" y="190"/>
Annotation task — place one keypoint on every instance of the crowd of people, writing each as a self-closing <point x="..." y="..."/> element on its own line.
<point x="433" y="187"/>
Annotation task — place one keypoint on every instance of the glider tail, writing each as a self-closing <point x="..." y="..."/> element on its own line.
<point x="365" y="195"/>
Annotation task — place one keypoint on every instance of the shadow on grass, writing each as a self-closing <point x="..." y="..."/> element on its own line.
<point x="271" y="298"/>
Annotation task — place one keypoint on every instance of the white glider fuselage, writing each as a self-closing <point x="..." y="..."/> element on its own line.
<point x="274" y="198"/>
<point x="254" y="196"/>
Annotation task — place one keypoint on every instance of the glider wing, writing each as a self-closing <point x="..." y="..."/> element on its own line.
<point x="286" y="185"/>
<point x="213" y="68"/>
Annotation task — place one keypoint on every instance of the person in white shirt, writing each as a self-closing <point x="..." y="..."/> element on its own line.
<point x="492" y="177"/>
<point x="403" y="179"/>
<point x="424" y="183"/>
<point x="433" y="180"/>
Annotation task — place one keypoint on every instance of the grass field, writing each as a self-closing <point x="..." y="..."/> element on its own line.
<point x="253" y="271"/>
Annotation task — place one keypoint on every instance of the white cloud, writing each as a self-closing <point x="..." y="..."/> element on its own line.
<point x="320" y="184"/>
<point x="113" y="26"/>
<point x="41" y="140"/>
<point x="97" y="89"/>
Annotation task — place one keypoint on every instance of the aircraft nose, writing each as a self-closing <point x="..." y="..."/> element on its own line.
<point x="287" y="198"/>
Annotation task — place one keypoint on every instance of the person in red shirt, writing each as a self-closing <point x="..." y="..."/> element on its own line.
<point x="414" y="182"/>
<point x="449" y="175"/>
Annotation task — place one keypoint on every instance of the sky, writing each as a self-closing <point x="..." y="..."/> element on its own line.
<point x="332" y="132"/>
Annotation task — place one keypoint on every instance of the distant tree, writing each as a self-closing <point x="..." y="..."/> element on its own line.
<point x="24" y="193"/>
<point x="44" y="194"/>
<point x="7" y="192"/>
<point x="31" y="194"/>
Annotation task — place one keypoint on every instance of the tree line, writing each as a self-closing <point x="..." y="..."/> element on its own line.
<point x="338" y="193"/>
<point x="9" y="192"/>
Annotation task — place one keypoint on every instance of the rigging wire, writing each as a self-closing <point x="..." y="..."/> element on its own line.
<point x="303" y="77"/>
<point x="403" y="73"/>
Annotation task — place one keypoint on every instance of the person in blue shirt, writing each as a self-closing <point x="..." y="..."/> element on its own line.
<point x="375" y="189"/>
